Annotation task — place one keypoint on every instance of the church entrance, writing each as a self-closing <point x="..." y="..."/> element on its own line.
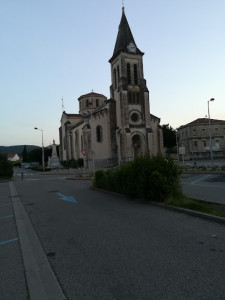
<point x="136" y="142"/>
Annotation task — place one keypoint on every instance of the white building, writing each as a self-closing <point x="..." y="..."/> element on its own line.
<point x="108" y="132"/>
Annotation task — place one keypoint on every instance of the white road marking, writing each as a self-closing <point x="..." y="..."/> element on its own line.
<point x="201" y="178"/>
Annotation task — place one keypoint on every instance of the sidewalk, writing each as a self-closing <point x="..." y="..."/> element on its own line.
<point x="12" y="275"/>
<point x="25" y="270"/>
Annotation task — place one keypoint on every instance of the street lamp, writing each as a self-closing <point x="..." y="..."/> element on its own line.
<point x="210" y="133"/>
<point x="43" y="153"/>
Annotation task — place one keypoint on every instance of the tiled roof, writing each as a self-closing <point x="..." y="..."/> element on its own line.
<point x="74" y="115"/>
<point x="202" y="121"/>
<point x="11" y="155"/>
<point x="92" y="94"/>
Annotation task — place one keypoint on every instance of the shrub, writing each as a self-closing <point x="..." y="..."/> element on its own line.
<point x="73" y="163"/>
<point x="6" y="167"/>
<point x="151" y="178"/>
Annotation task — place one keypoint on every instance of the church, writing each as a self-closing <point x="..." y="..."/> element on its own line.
<point x="109" y="132"/>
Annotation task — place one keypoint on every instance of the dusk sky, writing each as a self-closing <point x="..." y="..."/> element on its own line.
<point x="54" y="49"/>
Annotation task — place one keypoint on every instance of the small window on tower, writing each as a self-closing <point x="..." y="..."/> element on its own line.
<point x="128" y="74"/>
<point x="135" y="75"/>
<point x="129" y="97"/>
<point x="115" y="81"/>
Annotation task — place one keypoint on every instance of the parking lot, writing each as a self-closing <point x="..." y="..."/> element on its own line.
<point x="207" y="187"/>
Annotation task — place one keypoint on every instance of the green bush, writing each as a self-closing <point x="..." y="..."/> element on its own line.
<point x="6" y="167"/>
<point x="151" y="178"/>
<point x="73" y="163"/>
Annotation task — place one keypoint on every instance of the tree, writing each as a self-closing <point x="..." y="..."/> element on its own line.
<point x="169" y="136"/>
<point x="24" y="154"/>
<point x="6" y="167"/>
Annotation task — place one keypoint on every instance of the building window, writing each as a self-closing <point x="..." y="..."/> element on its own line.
<point x="87" y="103"/>
<point x="115" y="81"/>
<point x="99" y="136"/>
<point x="135" y="75"/>
<point x="128" y="74"/>
<point x="129" y="97"/>
<point x="118" y="74"/>
<point x="195" y="144"/>
<point x="137" y="98"/>
<point x="204" y="143"/>
<point x="97" y="103"/>
<point x="194" y="132"/>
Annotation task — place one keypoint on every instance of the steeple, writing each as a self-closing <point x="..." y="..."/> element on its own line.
<point x="125" y="41"/>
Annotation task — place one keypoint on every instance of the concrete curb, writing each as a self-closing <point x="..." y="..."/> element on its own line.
<point x="41" y="280"/>
<point x="193" y="213"/>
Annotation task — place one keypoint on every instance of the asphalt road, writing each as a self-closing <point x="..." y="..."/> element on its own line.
<point x="103" y="246"/>
<point x="207" y="187"/>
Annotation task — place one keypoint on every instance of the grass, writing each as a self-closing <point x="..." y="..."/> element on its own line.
<point x="211" y="208"/>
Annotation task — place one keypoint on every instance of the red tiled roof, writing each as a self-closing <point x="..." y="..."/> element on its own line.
<point x="11" y="155"/>
<point x="74" y="115"/>
<point x="205" y="120"/>
<point x="200" y="121"/>
<point x="92" y="94"/>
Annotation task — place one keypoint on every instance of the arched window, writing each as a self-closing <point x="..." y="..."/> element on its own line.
<point x="118" y="74"/>
<point x="128" y="74"/>
<point x="99" y="136"/>
<point x="135" y="75"/>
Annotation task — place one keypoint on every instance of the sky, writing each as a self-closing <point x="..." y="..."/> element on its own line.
<point x="54" y="49"/>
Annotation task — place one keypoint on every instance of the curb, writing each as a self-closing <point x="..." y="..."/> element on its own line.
<point x="41" y="280"/>
<point x="193" y="213"/>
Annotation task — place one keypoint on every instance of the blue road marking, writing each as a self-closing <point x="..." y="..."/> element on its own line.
<point x="67" y="198"/>
<point x="6" y="242"/>
<point x="6" y="217"/>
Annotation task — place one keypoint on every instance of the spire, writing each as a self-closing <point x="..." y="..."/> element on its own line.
<point x="124" y="38"/>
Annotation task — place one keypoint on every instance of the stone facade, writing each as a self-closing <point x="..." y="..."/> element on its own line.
<point x="195" y="138"/>
<point x="108" y="132"/>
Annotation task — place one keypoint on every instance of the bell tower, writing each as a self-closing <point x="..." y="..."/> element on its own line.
<point x="129" y="91"/>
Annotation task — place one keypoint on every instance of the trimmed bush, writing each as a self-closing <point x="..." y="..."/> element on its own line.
<point x="150" y="178"/>
<point x="73" y="163"/>
<point x="6" y="167"/>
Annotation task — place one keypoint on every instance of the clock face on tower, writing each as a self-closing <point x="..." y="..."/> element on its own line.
<point x="131" y="47"/>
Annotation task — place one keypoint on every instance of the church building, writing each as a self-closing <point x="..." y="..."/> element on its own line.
<point x="108" y="132"/>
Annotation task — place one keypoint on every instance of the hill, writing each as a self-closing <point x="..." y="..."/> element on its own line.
<point x="16" y="149"/>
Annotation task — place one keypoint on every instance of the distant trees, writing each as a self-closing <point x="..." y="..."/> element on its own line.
<point x="169" y="136"/>
<point x="24" y="153"/>
<point x="36" y="155"/>
<point x="6" y="167"/>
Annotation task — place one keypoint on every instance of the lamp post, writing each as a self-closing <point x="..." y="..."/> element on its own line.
<point x="43" y="153"/>
<point x="210" y="132"/>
